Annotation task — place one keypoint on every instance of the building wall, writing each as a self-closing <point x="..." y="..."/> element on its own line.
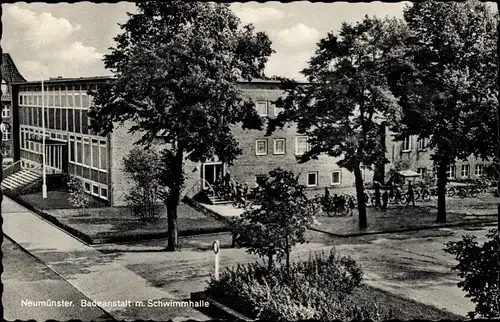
<point x="417" y="157"/>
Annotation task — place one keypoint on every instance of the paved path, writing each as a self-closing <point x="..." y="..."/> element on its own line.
<point x="26" y="279"/>
<point x="95" y="275"/>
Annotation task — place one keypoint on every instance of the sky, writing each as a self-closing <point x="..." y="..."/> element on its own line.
<point x="69" y="40"/>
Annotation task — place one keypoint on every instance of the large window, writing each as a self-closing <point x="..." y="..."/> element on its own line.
<point x="450" y="171"/>
<point x="261" y="147"/>
<point x="422" y="144"/>
<point x="479" y="169"/>
<point x="407" y="144"/>
<point x="6" y="111"/>
<point x="86" y="151"/>
<point x="262" y="108"/>
<point x="301" y="145"/>
<point x="279" y="146"/>
<point x="312" y="179"/>
<point x="6" y="134"/>
<point x="79" y="149"/>
<point x="336" y="177"/>
<point x="465" y="170"/>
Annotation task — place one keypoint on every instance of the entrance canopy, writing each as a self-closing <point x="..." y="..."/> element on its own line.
<point x="408" y="174"/>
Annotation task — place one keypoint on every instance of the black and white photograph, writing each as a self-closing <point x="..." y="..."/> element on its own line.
<point x="195" y="160"/>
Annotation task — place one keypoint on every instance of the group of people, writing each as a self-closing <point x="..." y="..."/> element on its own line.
<point x="231" y="190"/>
<point x="341" y="203"/>
<point x="394" y="192"/>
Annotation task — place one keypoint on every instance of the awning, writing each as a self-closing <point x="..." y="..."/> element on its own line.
<point x="48" y="141"/>
<point x="408" y="173"/>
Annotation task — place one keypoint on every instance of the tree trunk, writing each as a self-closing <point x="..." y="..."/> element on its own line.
<point x="287" y="250"/>
<point x="173" y="199"/>
<point x="379" y="168"/>
<point x="441" y="189"/>
<point x="360" y="195"/>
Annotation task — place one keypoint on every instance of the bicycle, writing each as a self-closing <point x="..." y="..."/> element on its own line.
<point x="464" y="191"/>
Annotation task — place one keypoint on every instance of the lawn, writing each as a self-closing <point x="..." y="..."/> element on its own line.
<point x="400" y="218"/>
<point x="118" y="224"/>
<point x="56" y="200"/>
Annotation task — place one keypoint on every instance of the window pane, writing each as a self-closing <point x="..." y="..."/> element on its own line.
<point x="72" y="151"/>
<point x="69" y="100"/>
<point x="85" y="100"/>
<point x="77" y="121"/>
<point x="86" y="152"/>
<point x="312" y="179"/>
<point x="63" y="99"/>
<point x="58" y="119"/>
<point x="261" y="147"/>
<point x="104" y="156"/>
<point x="57" y="99"/>
<point x="51" y="118"/>
<point x="85" y="124"/>
<point x="78" y="102"/>
<point x="336" y="177"/>
<point x="95" y="154"/>
<point x="63" y="120"/>
<point x="262" y="108"/>
<point x="104" y="192"/>
<point x="71" y="127"/>
<point x="79" y="151"/>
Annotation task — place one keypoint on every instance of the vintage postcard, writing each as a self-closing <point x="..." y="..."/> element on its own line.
<point x="184" y="160"/>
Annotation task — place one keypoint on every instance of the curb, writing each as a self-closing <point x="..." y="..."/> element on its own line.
<point x="428" y="227"/>
<point x="216" y="308"/>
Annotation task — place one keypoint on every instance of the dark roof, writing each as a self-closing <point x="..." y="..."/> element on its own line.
<point x="9" y="70"/>
<point x="68" y="80"/>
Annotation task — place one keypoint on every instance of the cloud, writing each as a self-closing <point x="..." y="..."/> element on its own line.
<point x="299" y="35"/>
<point x="250" y="15"/>
<point x="40" y="30"/>
<point x="80" y="53"/>
<point x="288" y="64"/>
<point x="40" y="39"/>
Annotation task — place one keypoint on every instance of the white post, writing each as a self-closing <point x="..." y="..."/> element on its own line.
<point x="44" y="184"/>
<point x="216" y="251"/>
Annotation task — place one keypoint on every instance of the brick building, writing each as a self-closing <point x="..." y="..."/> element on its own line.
<point x="72" y="148"/>
<point x="413" y="154"/>
<point x="10" y="75"/>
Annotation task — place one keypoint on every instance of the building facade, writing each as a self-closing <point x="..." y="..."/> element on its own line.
<point x="10" y="75"/>
<point x="414" y="154"/>
<point x="71" y="147"/>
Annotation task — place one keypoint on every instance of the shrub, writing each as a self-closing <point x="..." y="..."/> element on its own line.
<point x="142" y="168"/>
<point x="318" y="288"/>
<point x="78" y="198"/>
<point x="479" y="268"/>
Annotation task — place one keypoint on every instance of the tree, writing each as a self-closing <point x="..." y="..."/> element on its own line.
<point x="176" y="66"/>
<point x="279" y="219"/>
<point x="347" y="99"/>
<point x="445" y="83"/>
<point x="479" y="268"/>
<point x="142" y="168"/>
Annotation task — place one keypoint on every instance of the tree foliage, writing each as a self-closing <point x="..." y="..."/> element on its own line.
<point x="280" y="218"/>
<point x="142" y="168"/>
<point x="445" y="82"/>
<point x="479" y="267"/>
<point x="78" y="198"/>
<point x="347" y="99"/>
<point x="176" y="65"/>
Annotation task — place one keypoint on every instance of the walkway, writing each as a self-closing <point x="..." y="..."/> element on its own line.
<point x="95" y="275"/>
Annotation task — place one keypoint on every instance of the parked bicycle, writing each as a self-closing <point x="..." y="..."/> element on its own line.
<point x="471" y="190"/>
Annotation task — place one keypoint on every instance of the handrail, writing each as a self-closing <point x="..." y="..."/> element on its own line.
<point x="11" y="165"/>
<point x="34" y="169"/>
<point x="197" y="181"/>
<point x="188" y="190"/>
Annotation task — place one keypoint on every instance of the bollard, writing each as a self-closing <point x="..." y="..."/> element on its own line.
<point x="216" y="249"/>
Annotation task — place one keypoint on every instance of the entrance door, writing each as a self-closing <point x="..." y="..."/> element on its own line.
<point x="210" y="173"/>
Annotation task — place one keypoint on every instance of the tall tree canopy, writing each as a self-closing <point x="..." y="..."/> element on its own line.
<point x="347" y="98"/>
<point x="177" y="65"/>
<point x="446" y="82"/>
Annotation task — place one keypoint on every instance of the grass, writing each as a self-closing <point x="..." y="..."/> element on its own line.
<point x="57" y="200"/>
<point x="117" y="224"/>
<point x="400" y="218"/>
<point x="402" y="308"/>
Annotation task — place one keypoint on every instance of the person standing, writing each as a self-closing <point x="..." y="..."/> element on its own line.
<point x="411" y="195"/>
